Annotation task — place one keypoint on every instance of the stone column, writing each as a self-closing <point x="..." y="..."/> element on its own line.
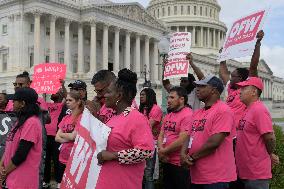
<point x="185" y="28"/>
<point x="137" y="55"/>
<point x="177" y="28"/>
<point x="11" y="51"/>
<point x="155" y="71"/>
<point x="105" y="46"/>
<point x="67" y="45"/>
<point x="80" y="49"/>
<point x="208" y="37"/>
<point x="116" y="50"/>
<point x="127" y="50"/>
<point x="37" y="38"/>
<point x="214" y="38"/>
<point x="218" y="40"/>
<point x="93" y="49"/>
<point x="52" y="39"/>
<point x="146" y="56"/>
<point x="201" y="36"/>
<point x="193" y="36"/>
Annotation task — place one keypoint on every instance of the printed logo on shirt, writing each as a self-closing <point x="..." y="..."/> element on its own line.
<point x="170" y="126"/>
<point x="198" y="125"/>
<point x="231" y="98"/>
<point x="241" y="125"/>
<point x="109" y="114"/>
<point x="52" y="109"/>
<point x="68" y="128"/>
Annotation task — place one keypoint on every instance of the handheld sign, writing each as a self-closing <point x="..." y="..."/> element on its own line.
<point x="46" y="78"/>
<point x="82" y="170"/>
<point x="177" y="65"/>
<point x="241" y="38"/>
<point x="7" y="120"/>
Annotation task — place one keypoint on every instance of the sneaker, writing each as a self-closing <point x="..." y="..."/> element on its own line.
<point x="45" y="185"/>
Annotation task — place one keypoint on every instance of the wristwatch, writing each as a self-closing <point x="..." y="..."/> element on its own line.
<point x="190" y="158"/>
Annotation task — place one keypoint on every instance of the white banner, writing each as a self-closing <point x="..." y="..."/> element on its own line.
<point x="177" y="65"/>
<point x="241" y="38"/>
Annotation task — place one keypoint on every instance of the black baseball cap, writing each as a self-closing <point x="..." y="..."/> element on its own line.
<point x="212" y="81"/>
<point x="78" y="84"/>
<point x="26" y="94"/>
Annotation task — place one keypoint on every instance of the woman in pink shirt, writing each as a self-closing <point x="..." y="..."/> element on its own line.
<point x="19" y="167"/>
<point x="66" y="133"/>
<point x="150" y="109"/>
<point x="130" y="141"/>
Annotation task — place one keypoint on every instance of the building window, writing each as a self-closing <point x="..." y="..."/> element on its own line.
<point x="195" y="10"/>
<point x="201" y="13"/>
<point x="62" y="34"/>
<point x="163" y="11"/>
<point x="158" y="13"/>
<point x="206" y="11"/>
<point x="47" y="31"/>
<point x="47" y="58"/>
<point x="175" y="10"/>
<point x="4" y="29"/>
<point x="210" y="12"/>
<point x="31" y="59"/>
<point x="110" y="66"/>
<point x="188" y="9"/>
<point x="75" y="37"/>
<point x="169" y="11"/>
<point x="32" y="28"/>
<point x="61" y="57"/>
<point x="181" y="10"/>
<point x="87" y="64"/>
<point x="5" y="61"/>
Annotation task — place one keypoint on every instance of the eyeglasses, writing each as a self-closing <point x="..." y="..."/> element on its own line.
<point x="99" y="91"/>
<point x="18" y="84"/>
<point x="77" y="89"/>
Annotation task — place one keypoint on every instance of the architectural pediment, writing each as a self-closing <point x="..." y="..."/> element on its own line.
<point x="134" y="12"/>
<point x="262" y="66"/>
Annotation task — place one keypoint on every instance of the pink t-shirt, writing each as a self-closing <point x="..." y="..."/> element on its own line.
<point x="235" y="103"/>
<point x="252" y="158"/>
<point x="220" y="165"/>
<point x="155" y="114"/>
<point x="41" y="102"/>
<point x="127" y="132"/>
<point x="106" y="113"/>
<point x="67" y="125"/>
<point x="54" y="110"/>
<point x="173" y="124"/>
<point x="26" y="175"/>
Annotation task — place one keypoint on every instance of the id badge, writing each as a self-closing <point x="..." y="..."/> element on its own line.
<point x="190" y="142"/>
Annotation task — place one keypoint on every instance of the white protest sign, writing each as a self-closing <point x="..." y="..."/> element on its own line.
<point x="241" y="38"/>
<point x="177" y="65"/>
<point x="82" y="170"/>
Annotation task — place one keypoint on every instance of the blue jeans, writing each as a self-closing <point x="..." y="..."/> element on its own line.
<point x="219" y="185"/>
<point x="148" y="182"/>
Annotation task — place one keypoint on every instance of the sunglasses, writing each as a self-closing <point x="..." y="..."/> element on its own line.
<point x="77" y="89"/>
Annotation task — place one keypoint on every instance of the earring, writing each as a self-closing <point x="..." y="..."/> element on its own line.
<point x="117" y="102"/>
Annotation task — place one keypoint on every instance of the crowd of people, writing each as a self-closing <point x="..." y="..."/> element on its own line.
<point x="200" y="143"/>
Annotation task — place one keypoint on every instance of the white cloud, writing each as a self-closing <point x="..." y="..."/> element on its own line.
<point x="274" y="57"/>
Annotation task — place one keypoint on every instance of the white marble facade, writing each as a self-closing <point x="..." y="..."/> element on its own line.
<point x="86" y="35"/>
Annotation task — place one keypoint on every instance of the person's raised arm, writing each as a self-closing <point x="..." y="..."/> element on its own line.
<point x="196" y="69"/>
<point x="256" y="54"/>
<point x="223" y="71"/>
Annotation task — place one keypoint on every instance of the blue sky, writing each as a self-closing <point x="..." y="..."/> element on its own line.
<point x="273" y="44"/>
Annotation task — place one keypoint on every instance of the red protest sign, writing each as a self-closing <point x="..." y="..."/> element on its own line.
<point x="46" y="78"/>
<point x="245" y="29"/>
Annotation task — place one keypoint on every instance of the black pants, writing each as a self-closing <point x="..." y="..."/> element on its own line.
<point x="175" y="177"/>
<point x="52" y="153"/>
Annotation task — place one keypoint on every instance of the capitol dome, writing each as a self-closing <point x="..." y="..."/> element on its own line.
<point x="200" y="17"/>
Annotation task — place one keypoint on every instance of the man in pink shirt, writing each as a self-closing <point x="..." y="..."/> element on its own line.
<point x="208" y="149"/>
<point x="255" y="138"/>
<point x="172" y="136"/>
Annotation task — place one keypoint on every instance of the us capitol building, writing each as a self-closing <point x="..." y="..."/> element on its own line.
<point x="89" y="35"/>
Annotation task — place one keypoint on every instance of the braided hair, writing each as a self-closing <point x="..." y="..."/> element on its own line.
<point x="126" y="83"/>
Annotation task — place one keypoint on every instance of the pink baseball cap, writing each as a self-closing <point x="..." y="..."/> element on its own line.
<point x="252" y="81"/>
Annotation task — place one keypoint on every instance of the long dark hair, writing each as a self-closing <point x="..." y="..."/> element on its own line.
<point x="29" y="110"/>
<point x="150" y="101"/>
